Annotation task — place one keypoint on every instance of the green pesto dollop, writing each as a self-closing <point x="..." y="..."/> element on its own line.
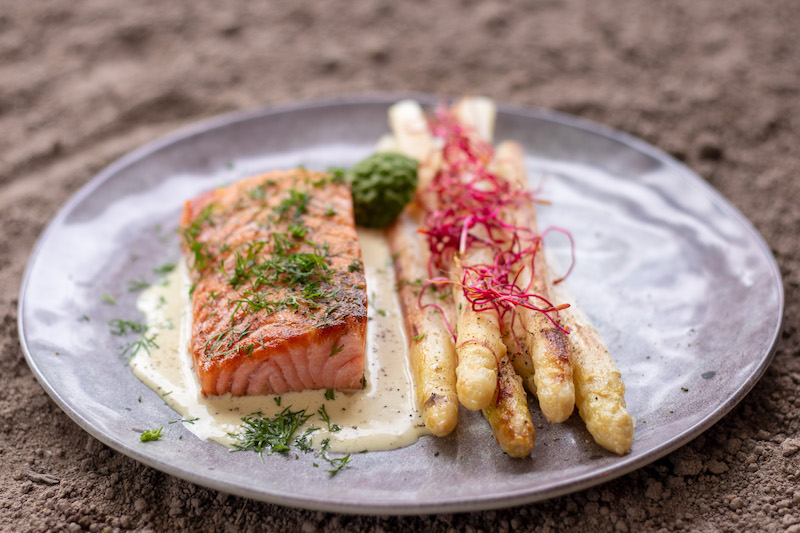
<point x="382" y="185"/>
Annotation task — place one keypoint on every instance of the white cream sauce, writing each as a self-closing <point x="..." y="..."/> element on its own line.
<point x="380" y="417"/>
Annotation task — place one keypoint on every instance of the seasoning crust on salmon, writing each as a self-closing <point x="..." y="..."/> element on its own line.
<point x="278" y="292"/>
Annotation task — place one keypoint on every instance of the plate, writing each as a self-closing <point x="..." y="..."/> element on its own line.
<point x="685" y="292"/>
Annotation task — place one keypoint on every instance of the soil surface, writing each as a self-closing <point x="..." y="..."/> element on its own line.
<point x="716" y="84"/>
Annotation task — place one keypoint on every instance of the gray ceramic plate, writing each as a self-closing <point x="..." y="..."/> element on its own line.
<point x="683" y="289"/>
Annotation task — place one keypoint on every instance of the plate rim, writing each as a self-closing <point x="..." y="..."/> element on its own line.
<point x="516" y="497"/>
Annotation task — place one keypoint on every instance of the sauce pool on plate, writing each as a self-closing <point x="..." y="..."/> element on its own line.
<point x="382" y="416"/>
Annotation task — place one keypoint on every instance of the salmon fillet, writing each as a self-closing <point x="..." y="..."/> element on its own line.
<point x="278" y="292"/>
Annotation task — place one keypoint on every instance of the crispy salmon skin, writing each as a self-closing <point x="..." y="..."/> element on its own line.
<point x="278" y="293"/>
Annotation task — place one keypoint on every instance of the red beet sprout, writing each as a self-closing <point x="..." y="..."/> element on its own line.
<point x="469" y="202"/>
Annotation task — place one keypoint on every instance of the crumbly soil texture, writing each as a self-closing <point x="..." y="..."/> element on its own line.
<point x="715" y="84"/>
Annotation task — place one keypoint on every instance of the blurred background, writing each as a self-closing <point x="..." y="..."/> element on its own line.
<point x="715" y="84"/>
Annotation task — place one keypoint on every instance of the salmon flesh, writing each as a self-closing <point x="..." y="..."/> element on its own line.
<point x="278" y="292"/>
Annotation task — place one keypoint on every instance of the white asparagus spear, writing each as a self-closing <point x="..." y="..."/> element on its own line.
<point x="479" y="345"/>
<point x="516" y="340"/>
<point x="479" y="342"/>
<point x="508" y="414"/>
<point x="431" y="350"/>
<point x="432" y="353"/>
<point x="550" y="349"/>
<point x="479" y="113"/>
<point x="413" y="138"/>
<point x="411" y="132"/>
<point x="599" y="389"/>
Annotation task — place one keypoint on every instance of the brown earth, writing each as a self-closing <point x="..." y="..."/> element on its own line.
<point x="717" y="84"/>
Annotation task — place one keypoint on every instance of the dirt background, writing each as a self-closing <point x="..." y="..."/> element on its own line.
<point x="713" y="83"/>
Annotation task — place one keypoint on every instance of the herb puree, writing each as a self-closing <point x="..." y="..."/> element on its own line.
<point x="382" y="416"/>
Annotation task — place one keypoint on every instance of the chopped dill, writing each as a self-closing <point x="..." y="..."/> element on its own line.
<point x="337" y="463"/>
<point x="323" y="414"/>
<point x="144" y="343"/>
<point x="135" y="285"/>
<point x="403" y="282"/>
<point x="227" y="339"/>
<point x="418" y="337"/>
<point x="297" y="200"/>
<point x="151" y="434"/>
<point x="244" y="264"/>
<point x="260" y="192"/>
<point x="188" y="421"/>
<point x="106" y="298"/>
<point x="355" y="266"/>
<point x="281" y="267"/>
<point x="123" y="327"/>
<point x="303" y="442"/>
<point x="269" y="435"/>
<point x="294" y="269"/>
<point x="337" y="176"/>
<point x="198" y="250"/>
<point x="164" y="269"/>
<point x="277" y="400"/>
<point x="336" y="349"/>
<point x="363" y="381"/>
<point x="329" y="394"/>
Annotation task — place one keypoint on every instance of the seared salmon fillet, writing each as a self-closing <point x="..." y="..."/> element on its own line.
<point x="278" y="293"/>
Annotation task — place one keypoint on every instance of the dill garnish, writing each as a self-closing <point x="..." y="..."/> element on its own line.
<point x="329" y="394"/>
<point x="123" y="327"/>
<point x="244" y="265"/>
<point x="188" y="421"/>
<point x="164" y="269"/>
<point x="337" y="463"/>
<point x="336" y="349"/>
<point x="227" y="339"/>
<point x="281" y="268"/>
<point x="269" y="434"/>
<point x="144" y="343"/>
<point x="135" y="285"/>
<point x="303" y="442"/>
<point x="198" y="250"/>
<point x="323" y="414"/>
<point x="294" y="269"/>
<point x="355" y="266"/>
<point x="444" y="295"/>
<point x="106" y="298"/>
<point x="260" y="192"/>
<point x="298" y="200"/>
<point x="151" y="434"/>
